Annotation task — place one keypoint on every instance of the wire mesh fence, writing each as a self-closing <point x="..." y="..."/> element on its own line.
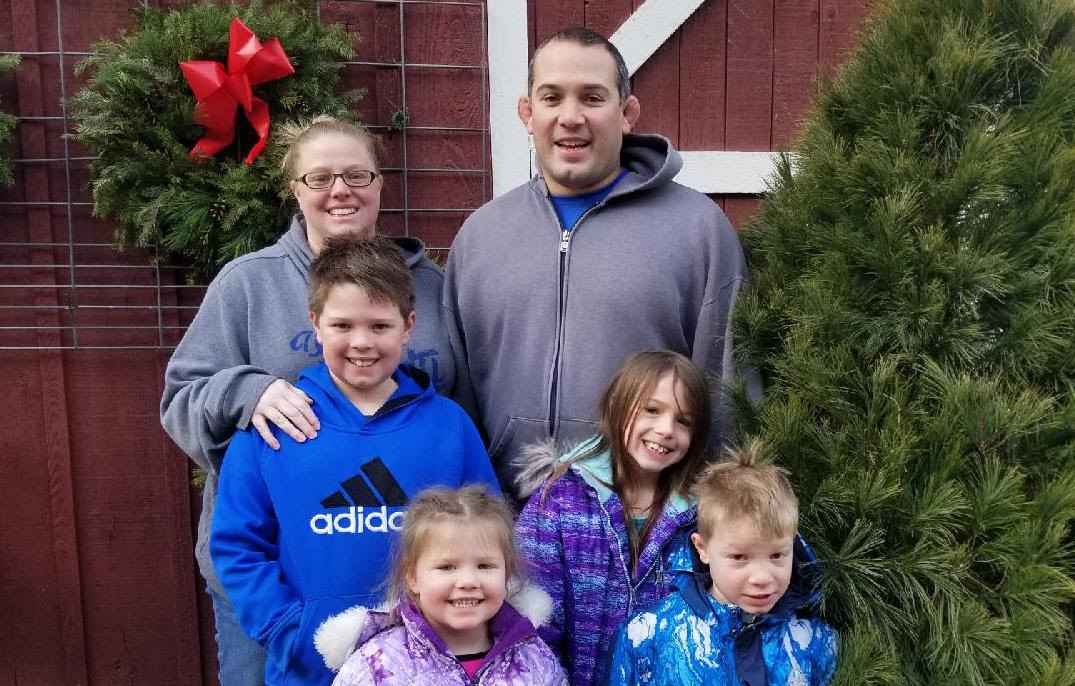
<point x="65" y="285"/>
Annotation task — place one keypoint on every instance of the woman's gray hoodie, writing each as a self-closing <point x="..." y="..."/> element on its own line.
<point x="252" y="328"/>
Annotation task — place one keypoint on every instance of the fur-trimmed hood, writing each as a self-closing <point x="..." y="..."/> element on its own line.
<point x="339" y="635"/>
<point x="536" y="462"/>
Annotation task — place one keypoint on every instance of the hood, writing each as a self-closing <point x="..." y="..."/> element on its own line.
<point x="802" y="590"/>
<point x="649" y="157"/>
<point x="339" y="635"/>
<point x="536" y="462"/>
<point x="297" y="247"/>
<point x="596" y="471"/>
<point x="413" y="249"/>
<point x="335" y="410"/>
<point x="802" y="594"/>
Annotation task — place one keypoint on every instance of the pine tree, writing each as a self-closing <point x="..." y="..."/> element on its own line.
<point x="7" y="124"/>
<point x="912" y="311"/>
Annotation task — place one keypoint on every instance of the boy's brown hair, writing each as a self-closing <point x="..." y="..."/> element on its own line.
<point x="746" y="485"/>
<point x="373" y="264"/>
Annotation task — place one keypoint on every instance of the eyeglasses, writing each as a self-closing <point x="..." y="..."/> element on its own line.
<point x="319" y="181"/>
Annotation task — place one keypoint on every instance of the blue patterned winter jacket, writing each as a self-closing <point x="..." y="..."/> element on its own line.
<point x="689" y="638"/>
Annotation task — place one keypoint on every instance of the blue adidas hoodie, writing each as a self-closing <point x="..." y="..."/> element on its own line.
<point x="306" y="532"/>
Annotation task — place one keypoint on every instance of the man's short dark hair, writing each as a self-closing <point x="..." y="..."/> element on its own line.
<point x="374" y="264"/>
<point x="583" y="36"/>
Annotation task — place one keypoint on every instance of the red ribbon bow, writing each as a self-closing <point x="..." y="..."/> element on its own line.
<point x="219" y="92"/>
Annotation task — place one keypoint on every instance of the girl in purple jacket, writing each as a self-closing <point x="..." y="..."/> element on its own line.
<point x="457" y="563"/>
<point x="610" y="526"/>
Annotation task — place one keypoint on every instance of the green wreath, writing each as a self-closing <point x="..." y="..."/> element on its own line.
<point x="136" y="114"/>
<point x="7" y="125"/>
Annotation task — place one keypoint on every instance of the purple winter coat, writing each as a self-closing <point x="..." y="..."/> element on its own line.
<point x="574" y="539"/>
<point x="408" y="652"/>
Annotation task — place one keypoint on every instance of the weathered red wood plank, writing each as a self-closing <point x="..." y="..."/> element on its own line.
<point x="531" y="25"/>
<point x="440" y="190"/>
<point x="373" y="28"/>
<point x="749" y="99"/>
<point x="840" y="22"/>
<point x="392" y="191"/>
<point x="436" y="229"/>
<point x="382" y="91"/>
<point x="605" y="17"/>
<point x="444" y="149"/>
<point x="32" y="652"/>
<point x="740" y="208"/>
<point x="795" y="68"/>
<point x="443" y="34"/>
<point x="552" y="15"/>
<point x="87" y="21"/>
<point x="390" y="223"/>
<point x="52" y="445"/>
<point x="445" y="97"/>
<point x="7" y="26"/>
<point x="137" y="572"/>
<point x="656" y="84"/>
<point x="702" y="63"/>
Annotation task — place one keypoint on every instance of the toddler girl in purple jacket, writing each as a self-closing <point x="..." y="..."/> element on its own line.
<point x="609" y="528"/>
<point x="456" y="563"/>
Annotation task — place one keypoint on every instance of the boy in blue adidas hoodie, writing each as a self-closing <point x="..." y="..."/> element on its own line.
<point x="751" y="618"/>
<point x="302" y="533"/>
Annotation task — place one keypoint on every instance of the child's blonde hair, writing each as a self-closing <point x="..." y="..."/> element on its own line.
<point x="441" y="505"/>
<point x="631" y="385"/>
<point x="750" y="486"/>
<point x="297" y="135"/>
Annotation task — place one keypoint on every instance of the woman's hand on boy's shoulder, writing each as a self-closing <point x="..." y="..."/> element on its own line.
<point x="287" y="407"/>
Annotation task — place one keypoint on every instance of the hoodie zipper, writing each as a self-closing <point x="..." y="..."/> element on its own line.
<point x="565" y="244"/>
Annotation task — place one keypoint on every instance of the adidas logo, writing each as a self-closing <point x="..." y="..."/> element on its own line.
<point x="363" y="511"/>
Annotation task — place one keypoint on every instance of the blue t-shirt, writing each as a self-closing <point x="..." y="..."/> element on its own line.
<point x="570" y="207"/>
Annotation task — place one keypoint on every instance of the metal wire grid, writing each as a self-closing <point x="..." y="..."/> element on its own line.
<point x="37" y="314"/>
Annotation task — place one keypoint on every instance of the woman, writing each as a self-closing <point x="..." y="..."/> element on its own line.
<point x="252" y="335"/>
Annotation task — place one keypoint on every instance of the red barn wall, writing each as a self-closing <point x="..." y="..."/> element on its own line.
<point x="97" y="579"/>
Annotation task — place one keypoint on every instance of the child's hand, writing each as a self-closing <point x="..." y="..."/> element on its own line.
<point x="288" y="408"/>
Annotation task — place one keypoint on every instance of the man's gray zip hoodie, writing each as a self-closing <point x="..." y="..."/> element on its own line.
<point x="539" y="319"/>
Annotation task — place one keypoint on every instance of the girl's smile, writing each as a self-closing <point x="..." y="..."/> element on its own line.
<point x="660" y="433"/>
<point x="460" y="581"/>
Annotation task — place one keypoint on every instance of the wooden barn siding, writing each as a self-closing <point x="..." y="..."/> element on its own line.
<point x="98" y="582"/>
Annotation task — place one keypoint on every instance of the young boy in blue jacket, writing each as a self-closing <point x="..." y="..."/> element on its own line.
<point x="302" y="533"/>
<point x="749" y="620"/>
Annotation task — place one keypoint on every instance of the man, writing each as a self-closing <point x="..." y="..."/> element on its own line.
<point x="550" y="286"/>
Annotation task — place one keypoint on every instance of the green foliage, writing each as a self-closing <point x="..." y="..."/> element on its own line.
<point x="7" y="124"/>
<point x="137" y="114"/>
<point x="913" y="314"/>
